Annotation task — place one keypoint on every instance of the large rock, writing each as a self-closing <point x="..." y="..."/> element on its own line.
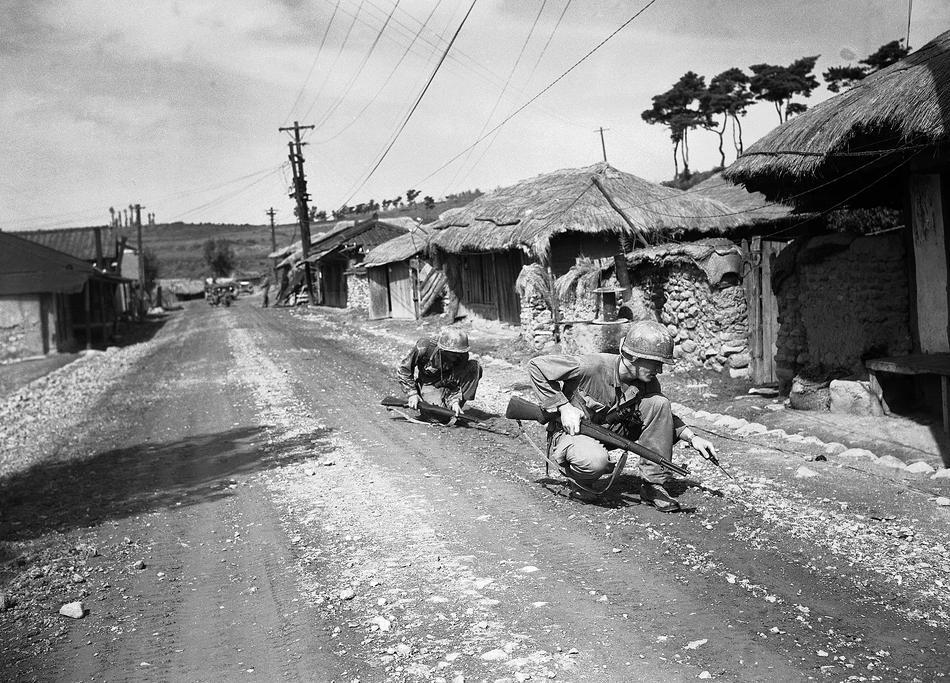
<point x="854" y="398"/>
<point x="809" y="395"/>
<point x="73" y="610"/>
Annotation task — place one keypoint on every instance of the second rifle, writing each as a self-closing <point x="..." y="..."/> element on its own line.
<point x="520" y="409"/>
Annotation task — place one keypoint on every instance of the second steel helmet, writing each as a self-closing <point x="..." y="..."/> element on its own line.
<point x="453" y="340"/>
<point x="647" y="339"/>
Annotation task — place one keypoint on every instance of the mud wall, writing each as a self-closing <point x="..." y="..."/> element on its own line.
<point x="21" y="327"/>
<point x="841" y="299"/>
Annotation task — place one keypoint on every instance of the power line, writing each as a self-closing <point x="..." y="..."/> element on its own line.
<point x="336" y="59"/>
<point x="416" y="104"/>
<point x="534" y="68"/>
<point x="504" y="89"/>
<point x="369" y="53"/>
<point x="313" y="64"/>
<point x="229" y="195"/>
<point x="545" y="89"/>
<point x="386" y="82"/>
<point x="457" y="56"/>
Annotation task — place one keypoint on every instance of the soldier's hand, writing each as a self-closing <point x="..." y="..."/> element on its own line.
<point x="413" y="401"/>
<point x="571" y="418"/>
<point x="705" y="447"/>
<point x="457" y="408"/>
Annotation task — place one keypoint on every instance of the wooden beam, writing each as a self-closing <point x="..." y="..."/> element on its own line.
<point x="636" y="231"/>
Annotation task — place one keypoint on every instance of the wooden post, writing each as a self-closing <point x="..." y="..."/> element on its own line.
<point x="88" y="304"/>
<point x="555" y="307"/>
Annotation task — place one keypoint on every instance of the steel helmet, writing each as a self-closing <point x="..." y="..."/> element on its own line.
<point x="647" y="339"/>
<point x="453" y="340"/>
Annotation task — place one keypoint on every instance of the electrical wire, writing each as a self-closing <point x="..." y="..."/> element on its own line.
<point x="457" y="56"/>
<point x="416" y="104"/>
<point x="359" y="71"/>
<point x="379" y="91"/>
<point x="336" y="59"/>
<point x="545" y="89"/>
<point x="534" y="68"/>
<point x="504" y="90"/>
<point x="230" y="195"/>
<point x="313" y="64"/>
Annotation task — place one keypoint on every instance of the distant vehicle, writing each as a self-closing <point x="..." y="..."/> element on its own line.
<point x="220" y="292"/>
<point x="246" y="287"/>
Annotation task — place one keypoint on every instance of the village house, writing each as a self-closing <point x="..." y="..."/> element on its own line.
<point x="51" y="301"/>
<point x="336" y="259"/>
<point x="866" y="302"/>
<point x="544" y="254"/>
<point x="402" y="282"/>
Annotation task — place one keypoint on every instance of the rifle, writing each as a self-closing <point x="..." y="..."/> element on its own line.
<point x="438" y="411"/>
<point x="520" y="409"/>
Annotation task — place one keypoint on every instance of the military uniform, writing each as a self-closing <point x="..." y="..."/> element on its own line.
<point x="422" y="372"/>
<point x="592" y="383"/>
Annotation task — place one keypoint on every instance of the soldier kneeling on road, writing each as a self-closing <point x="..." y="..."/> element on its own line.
<point x="439" y="371"/>
<point x="621" y="391"/>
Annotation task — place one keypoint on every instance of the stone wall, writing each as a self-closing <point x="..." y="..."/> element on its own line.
<point x="710" y="325"/>
<point x="842" y="299"/>
<point x="357" y="289"/>
<point x="21" y="327"/>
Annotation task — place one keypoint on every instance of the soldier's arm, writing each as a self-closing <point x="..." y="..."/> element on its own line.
<point x="548" y="374"/>
<point x="405" y="371"/>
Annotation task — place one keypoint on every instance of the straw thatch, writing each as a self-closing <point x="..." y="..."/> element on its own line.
<point x="900" y="107"/>
<point x="399" y="248"/>
<point x="754" y="206"/>
<point x="528" y="214"/>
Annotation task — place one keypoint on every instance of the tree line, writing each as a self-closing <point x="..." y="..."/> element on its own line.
<point x="371" y="206"/>
<point x="721" y="104"/>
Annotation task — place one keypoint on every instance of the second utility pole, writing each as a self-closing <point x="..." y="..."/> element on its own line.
<point x="300" y="194"/>
<point x="603" y="146"/>
<point x="273" y="238"/>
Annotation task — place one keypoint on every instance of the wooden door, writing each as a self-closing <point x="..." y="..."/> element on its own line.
<point x="507" y="266"/>
<point x="762" y="308"/>
<point x="400" y="291"/>
<point x="334" y="283"/>
<point x="378" y="292"/>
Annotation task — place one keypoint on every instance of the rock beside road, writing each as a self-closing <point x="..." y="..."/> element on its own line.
<point x="73" y="610"/>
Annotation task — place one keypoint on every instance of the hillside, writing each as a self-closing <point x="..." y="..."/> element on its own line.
<point x="178" y="246"/>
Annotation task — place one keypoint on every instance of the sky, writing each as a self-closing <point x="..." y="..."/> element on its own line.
<point x="176" y="104"/>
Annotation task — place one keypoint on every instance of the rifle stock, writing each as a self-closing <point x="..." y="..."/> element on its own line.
<point x="520" y="409"/>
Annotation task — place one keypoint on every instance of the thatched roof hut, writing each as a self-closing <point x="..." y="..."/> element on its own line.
<point x="850" y="145"/>
<point x="399" y="248"/>
<point x="594" y="200"/>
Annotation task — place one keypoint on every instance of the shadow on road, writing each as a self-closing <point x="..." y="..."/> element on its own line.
<point x="63" y="496"/>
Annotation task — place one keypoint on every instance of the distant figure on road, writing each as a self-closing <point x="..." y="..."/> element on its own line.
<point x="439" y="371"/>
<point x="621" y="392"/>
<point x="265" y="285"/>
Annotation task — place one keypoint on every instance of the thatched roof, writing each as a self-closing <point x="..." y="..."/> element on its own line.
<point x="595" y="199"/>
<point x="755" y="207"/>
<point x="887" y="117"/>
<point x="183" y="286"/>
<point x="399" y="248"/>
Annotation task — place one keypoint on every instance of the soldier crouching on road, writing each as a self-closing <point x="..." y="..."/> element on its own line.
<point x="622" y="392"/>
<point x="439" y="371"/>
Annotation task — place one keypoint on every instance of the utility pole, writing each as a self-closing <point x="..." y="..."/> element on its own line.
<point x="301" y="196"/>
<point x="273" y="238"/>
<point x="138" y="227"/>
<point x="603" y="147"/>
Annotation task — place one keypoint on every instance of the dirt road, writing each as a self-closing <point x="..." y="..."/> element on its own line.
<point x="235" y="504"/>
